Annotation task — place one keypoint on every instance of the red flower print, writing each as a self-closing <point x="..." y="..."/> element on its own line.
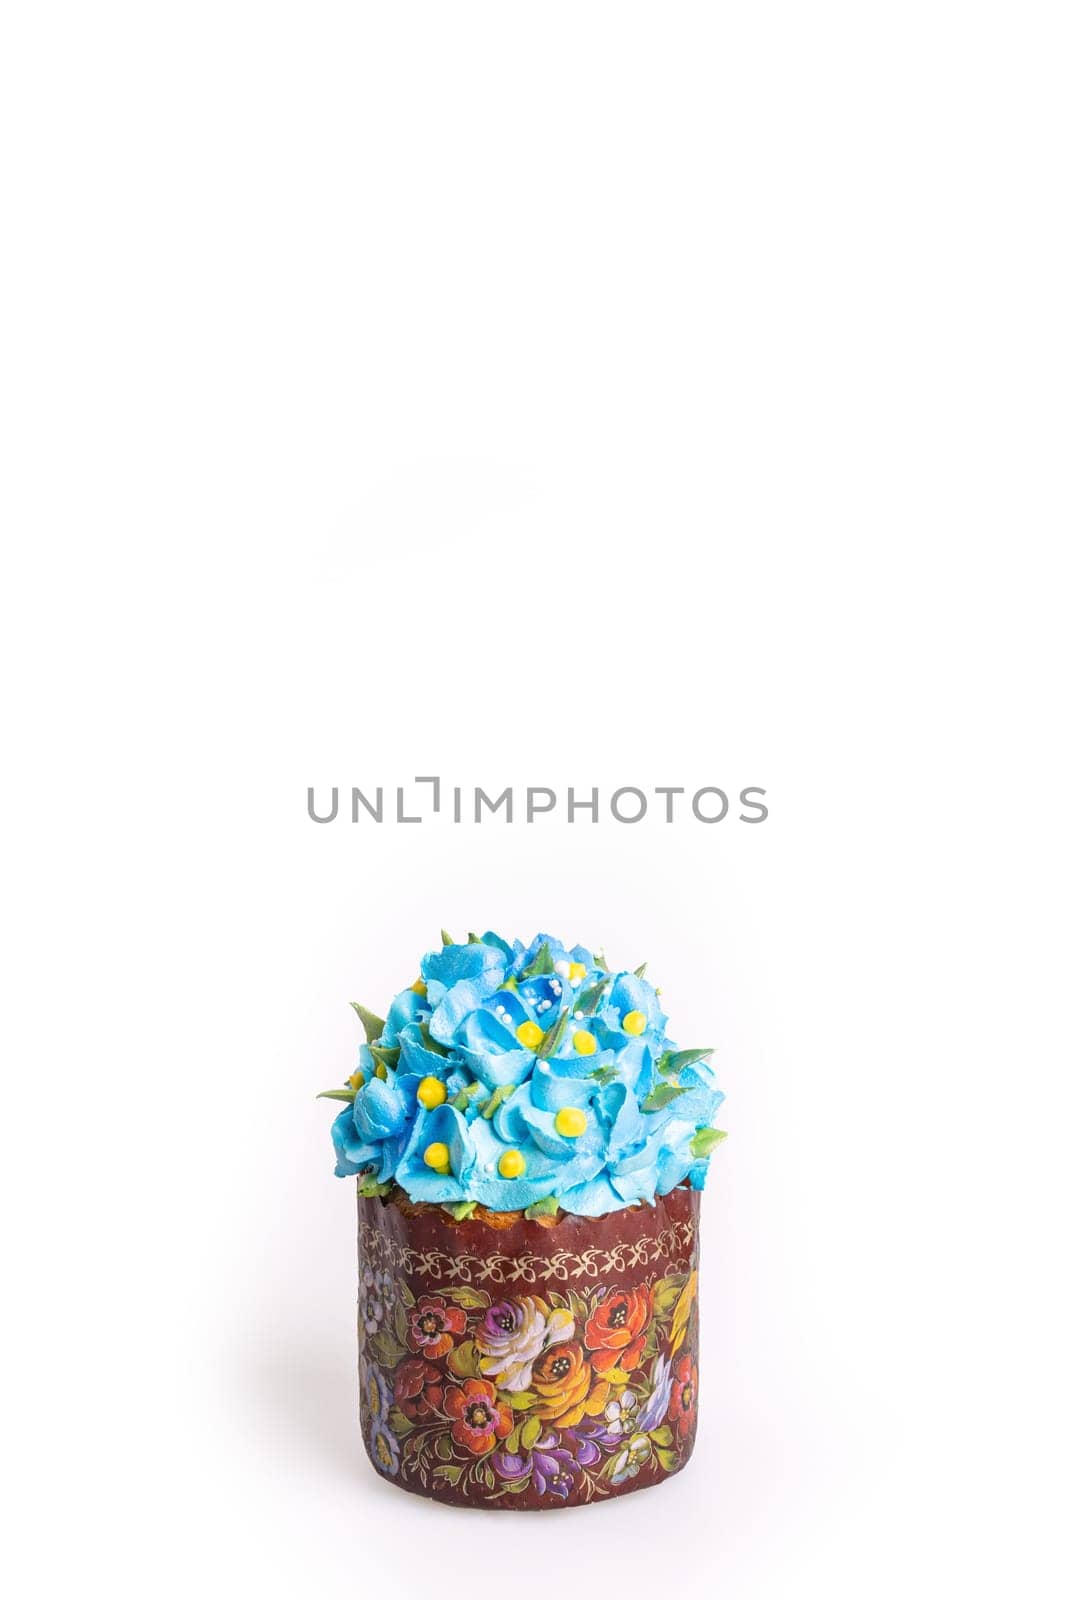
<point x="479" y="1419"/>
<point x="432" y="1325"/>
<point x="417" y="1386"/>
<point x="682" y="1407"/>
<point x="615" y="1333"/>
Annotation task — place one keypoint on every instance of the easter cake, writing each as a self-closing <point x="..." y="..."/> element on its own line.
<point x="530" y="1148"/>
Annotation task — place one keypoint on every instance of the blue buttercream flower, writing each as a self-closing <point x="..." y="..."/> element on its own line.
<point x="524" y="1123"/>
<point x="499" y="1039"/>
<point x="408" y="1007"/>
<point x="351" y="1153"/>
<point x="631" y="1010"/>
<point x="541" y="1175"/>
<point x="560" y="955"/>
<point x="378" y="1111"/>
<point x="371" y="1134"/>
<point x="416" y="1056"/>
<point x="488" y="1042"/>
<point x="442" y="1128"/>
<point x="515" y="1074"/>
<point x="481" y="963"/>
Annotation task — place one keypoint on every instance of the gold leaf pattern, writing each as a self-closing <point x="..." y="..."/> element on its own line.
<point x="669" y="1249"/>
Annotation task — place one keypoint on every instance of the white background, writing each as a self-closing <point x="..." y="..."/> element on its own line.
<point x="559" y="394"/>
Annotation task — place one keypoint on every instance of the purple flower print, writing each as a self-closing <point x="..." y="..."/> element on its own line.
<point x="555" y="1470"/>
<point x="372" y="1303"/>
<point x="587" y="1442"/>
<point x="384" y="1449"/>
<point x="654" y="1409"/>
<point x="555" y="1463"/>
<point x="511" y="1464"/>
<point x="377" y="1392"/>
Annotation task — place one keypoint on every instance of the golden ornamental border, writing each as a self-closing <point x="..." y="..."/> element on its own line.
<point x="672" y="1246"/>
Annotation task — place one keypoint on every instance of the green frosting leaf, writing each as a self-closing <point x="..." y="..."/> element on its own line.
<point x="605" y="1074"/>
<point x="554" y="1037"/>
<point x="430" y="1042"/>
<point x="469" y="1095"/>
<point x="337" y="1094"/>
<point x="497" y="1098"/>
<point x="461" y="1212"/>
<point x="704" y="1140"/>
<point x="370" y="1188"/>
<point x="446" y="938"/>
<point x="541" y="965"/>
<point x="590" y="998"/>
<point x="372" y="1025"/>
<point x="662" y="1095"/>
<point x="386" y="1055"/>
<point x="474" y="938"/>
<point x="542" y="1208"/>
<point x="640" y="971"/>
<point x="675" y="1060"/>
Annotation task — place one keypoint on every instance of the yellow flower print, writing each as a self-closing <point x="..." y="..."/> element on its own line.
<point x="683" y="1306"/>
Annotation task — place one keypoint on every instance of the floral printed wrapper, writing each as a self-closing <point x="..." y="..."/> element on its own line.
<point x="527" y="1367"/>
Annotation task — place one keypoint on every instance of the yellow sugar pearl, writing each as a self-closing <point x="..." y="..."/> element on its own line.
<point x="576" y="971"/>
<point x="436" y="1156"/>
<point x="570" y="1122"/>
<point x="584" y="1042"/>
<point x="431" y="1092"/>
<point x="634" y="1022"/>
<point x="379" y="1071"/>
<point x="529" y="1034"/>
<point x="356" y="1081"/>
<point x="418" y="987"/>
<point x="512" y="1164"/>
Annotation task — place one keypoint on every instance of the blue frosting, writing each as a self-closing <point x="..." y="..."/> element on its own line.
<point x="464" y="1025"/>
